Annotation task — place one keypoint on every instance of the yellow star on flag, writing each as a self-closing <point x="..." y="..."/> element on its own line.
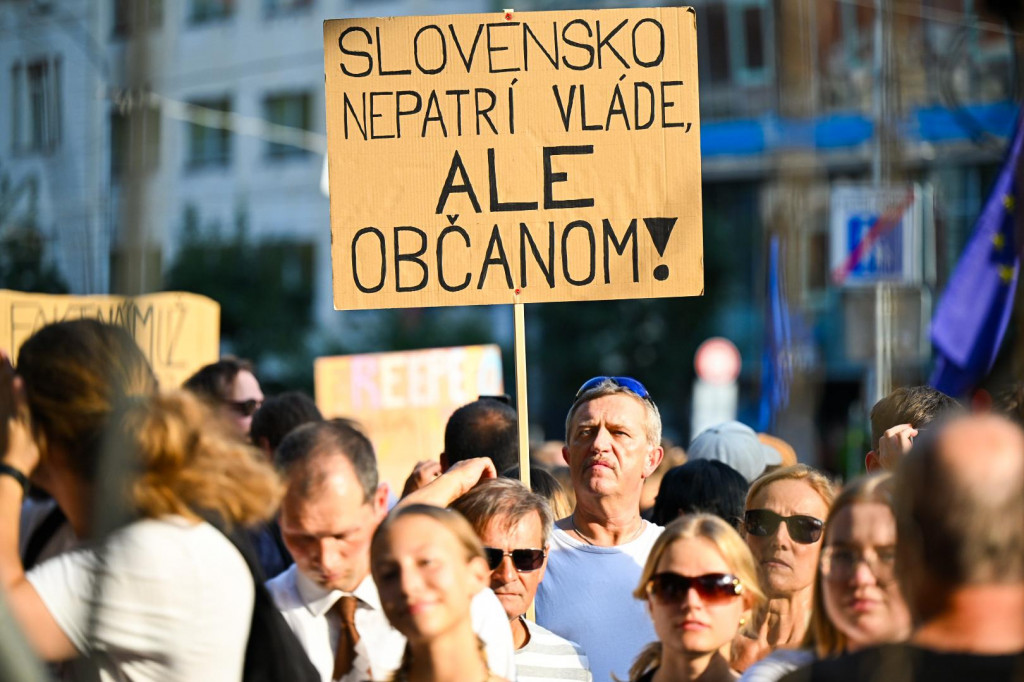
<point x="1009" y="203"/>
<point x="1006" y="273"/>
<point x="998" y="240"/>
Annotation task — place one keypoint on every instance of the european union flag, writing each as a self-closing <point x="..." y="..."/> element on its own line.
<point x="974" y="311"/>
<point x="776" y="360"/>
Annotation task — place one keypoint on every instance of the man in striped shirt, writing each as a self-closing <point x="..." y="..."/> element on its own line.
<point x="514" y="524"/>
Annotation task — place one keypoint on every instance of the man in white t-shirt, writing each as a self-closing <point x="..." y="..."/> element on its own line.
<point x="613" y="436"/>
<point x="331" y="509"/>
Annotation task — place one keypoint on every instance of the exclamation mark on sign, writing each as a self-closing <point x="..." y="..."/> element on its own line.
<point x="660" y="230"/>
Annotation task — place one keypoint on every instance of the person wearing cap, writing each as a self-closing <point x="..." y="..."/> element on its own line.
<point x="738" y="446"/>
<point x="613" y="436"/>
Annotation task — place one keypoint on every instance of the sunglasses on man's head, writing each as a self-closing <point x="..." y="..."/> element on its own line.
<point x="764" y="523"/>
<point x="671" y="588"/>
<point x="246" y="408"/>
<point x="525" y="560"/>
<point x="628" y="383"/>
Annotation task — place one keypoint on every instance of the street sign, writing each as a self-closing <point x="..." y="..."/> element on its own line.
<point x="717" y="361"/>
<point x="877" y="234"/>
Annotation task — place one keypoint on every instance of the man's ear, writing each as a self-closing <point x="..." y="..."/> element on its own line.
<point x="380" y="500"/>
<point x="565" y="454"/>
<point x="264" y="445"/>
<point x="653" y="460"/>
<point x="443" y="459"/>
<point x="872" y="463"/>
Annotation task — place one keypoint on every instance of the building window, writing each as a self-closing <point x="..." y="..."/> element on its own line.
<point x="732" y="41"/>
<point x="293" y="110"/>
<point x="209" y="140"/>
<point x="272" y="8"/>
<point x="717" y="41"/>
<point x="134" y="141"/>
<point x="201" y="11"/>
<point x="753" y="37"/>
<point x="130" y="15"/>
<point x="35" y="100"/>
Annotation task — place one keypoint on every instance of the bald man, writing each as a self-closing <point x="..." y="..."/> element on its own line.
<point x="960" y="560"/>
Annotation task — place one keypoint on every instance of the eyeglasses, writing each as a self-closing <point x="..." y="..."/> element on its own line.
<point x="525" y="560"/>
<point x="764" y="523"/>
<point x="246" y="408"/>
<point x="628" y="383"/>
<point x="840" y="563"/>
<point x="671" y="588"/>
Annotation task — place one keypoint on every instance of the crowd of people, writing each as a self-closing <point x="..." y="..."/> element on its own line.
<point x="209" y="533"/>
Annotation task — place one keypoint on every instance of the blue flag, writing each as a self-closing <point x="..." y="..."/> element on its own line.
<point x="776" y="359"/>
<point x="974" y="311"/>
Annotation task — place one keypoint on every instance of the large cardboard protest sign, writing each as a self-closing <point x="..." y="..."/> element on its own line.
<point x="404" y="399"/>
<point x="514" y="157"/>
<point x="178" y="332"/>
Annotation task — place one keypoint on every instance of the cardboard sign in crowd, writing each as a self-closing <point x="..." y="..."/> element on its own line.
<point x="514" y="157"/>
<point x="177" y="332"/>
<point x="403" y="399"/>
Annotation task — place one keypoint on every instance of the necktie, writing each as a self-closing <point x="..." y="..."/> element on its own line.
<point x="347" y="636"/>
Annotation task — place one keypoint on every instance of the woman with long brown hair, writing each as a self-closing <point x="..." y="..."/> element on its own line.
<point x="166" y="596"/>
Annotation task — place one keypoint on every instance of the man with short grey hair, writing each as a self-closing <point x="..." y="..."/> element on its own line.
<point x="613" y="435"/>
<point x="514" y="523"/>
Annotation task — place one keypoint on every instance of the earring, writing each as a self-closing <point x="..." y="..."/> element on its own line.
<point x="743" y="621"/>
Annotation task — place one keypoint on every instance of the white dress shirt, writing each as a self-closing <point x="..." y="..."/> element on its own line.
<point x="307" y="608"/>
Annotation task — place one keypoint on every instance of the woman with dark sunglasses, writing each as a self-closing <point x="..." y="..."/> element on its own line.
<point x="700" y="584"/>
<point x="783" y="525"/>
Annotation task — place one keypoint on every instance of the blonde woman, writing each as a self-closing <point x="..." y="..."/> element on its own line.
<point x="783" y="523"/>
<point x="428" y="564"/>
<point x="166" y="597"/>
<point x="700" y="584"/>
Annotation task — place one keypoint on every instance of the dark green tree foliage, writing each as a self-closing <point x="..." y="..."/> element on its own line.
<point x="22" y="264"/>
<point x="265" y="291"/>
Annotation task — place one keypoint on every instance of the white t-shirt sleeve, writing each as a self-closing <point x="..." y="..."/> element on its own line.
<point x="64" y="584"/>
<point x="491" y="625"/>
<point x="175" y="601"/>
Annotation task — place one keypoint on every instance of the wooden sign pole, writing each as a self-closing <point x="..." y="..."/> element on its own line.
<point x="519" y="349"/>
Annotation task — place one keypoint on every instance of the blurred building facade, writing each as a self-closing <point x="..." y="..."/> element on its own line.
<point x="131" y="121"/>
<point x="115" y="119"/>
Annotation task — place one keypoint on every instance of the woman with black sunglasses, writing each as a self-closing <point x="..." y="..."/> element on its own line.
<point x="783" y="524"/>
<point x="700" y="584"/>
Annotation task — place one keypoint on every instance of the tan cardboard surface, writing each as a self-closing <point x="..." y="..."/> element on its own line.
<point x="542" y="156"/>
<point x="404" y="399"/>
<point x="178" y="332"/>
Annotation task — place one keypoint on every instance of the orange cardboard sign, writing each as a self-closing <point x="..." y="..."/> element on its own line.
<point x="514" y="157"/>
<point x="177" y="332"/>
<point x="403" y="399"/>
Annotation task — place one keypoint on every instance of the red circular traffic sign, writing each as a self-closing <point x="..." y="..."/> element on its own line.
<point x="717" y="361"/>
